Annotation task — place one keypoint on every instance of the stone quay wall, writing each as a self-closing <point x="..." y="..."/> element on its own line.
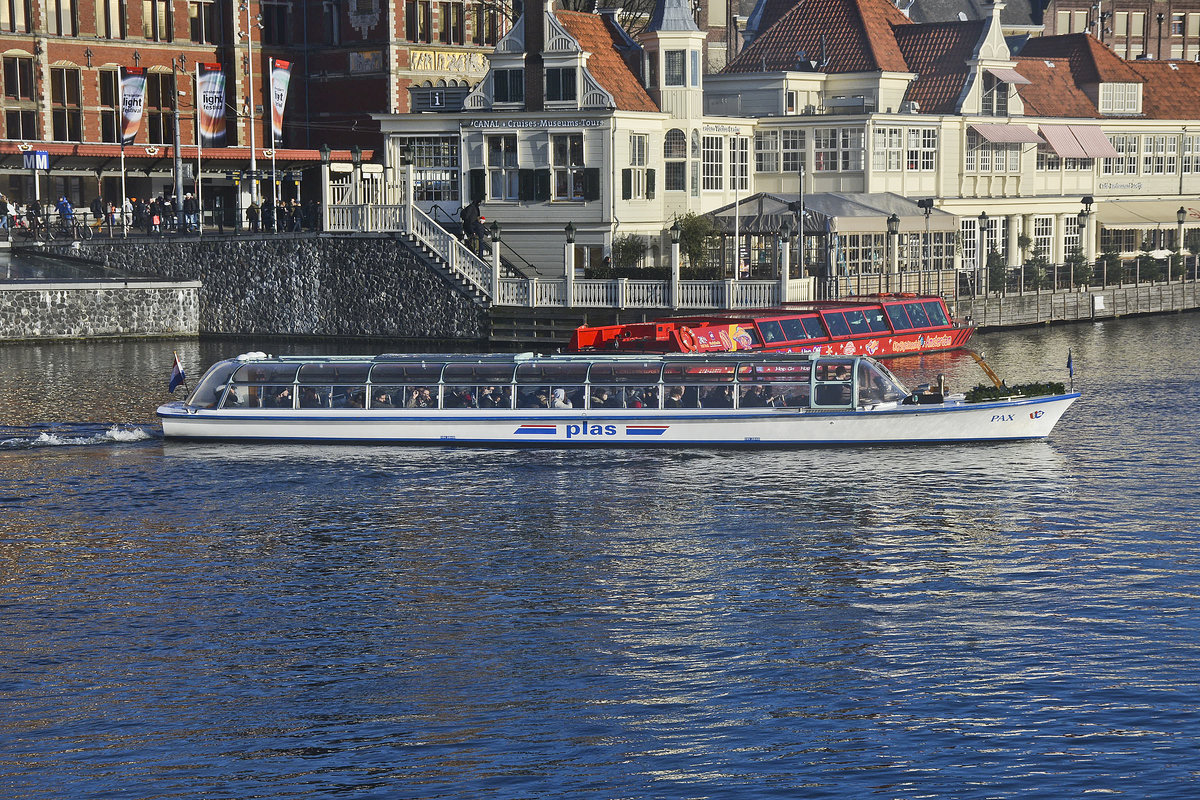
<point x="1045" y="307"/>
<point x="79" y="309"/>
<point x="304" y="285"/>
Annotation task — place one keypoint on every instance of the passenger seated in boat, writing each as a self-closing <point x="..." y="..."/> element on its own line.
<point x="356" y="399"/>
<point x="381" y="399"/>
<point x="674" y="397"/>
<point x="754" y="397"/>
<point x="489" y="397"/>
<point x="649" y="397"/>
<point x="283" y="398"/>
<point x="420" y="397"/>
<point x="459" y="398"/>
<point x="560" y="400"/>
<point x="310" y="397"/>
<point x="718" y="397"/>
<point x="773" y="399"/>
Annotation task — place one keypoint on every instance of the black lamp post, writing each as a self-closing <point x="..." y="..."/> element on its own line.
<point x="980" y="256"/>
<point x="495" y="231"/>
<point x="570" y="229"/>
<point x="677" y="231"/>
<point x="326" y="155"/>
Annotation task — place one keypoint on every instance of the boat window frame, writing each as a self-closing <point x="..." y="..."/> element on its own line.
<point x="894" y="310"/>
<point x="828" y="316"/>
<point x="942" y="313"/>
<point x="918" y="307"/>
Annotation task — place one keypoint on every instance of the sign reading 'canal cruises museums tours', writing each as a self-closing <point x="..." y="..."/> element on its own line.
<point x="210" y="87"/>
<point x="281" y="75"/>
<point x="133" y="98"/>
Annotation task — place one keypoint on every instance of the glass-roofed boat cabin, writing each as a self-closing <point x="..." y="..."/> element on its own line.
<point x="401" y="384"/>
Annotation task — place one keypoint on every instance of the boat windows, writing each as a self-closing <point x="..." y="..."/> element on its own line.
<point x="348" y="396"/>
<point x="624" y="385"/>
<point x="698" y="373"/>
<point x="898" y="317"/>
<point x="208" y="392"/>
<point x="875" y="320"/>
<point x="936" y="313"/>
<point x="798" y="329"/>
<point x="641" y="372"/>
<point x="834" y="382"/>
<point x="257" y="372"/>
<point x="836" y="322"/>
<point x="548" y="385"/>
<point x="420" y="372"/>
<point x="771" y="331"/>
<point x="857" y="321"/>
<point x="334" y="372"/>
<point x="916" y="313"/>
<point x="314" y="396"/>
<point x="877" y="385"/>
<point x="481" y="385"/>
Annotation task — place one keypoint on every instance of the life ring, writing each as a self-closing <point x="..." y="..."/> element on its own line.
<point x="688" y="342"/>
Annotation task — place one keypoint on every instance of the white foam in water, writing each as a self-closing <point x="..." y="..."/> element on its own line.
<point x="59" y="438"/>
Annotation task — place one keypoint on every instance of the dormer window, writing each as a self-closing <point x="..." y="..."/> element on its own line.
<point x="1120" y="98"/>
<point x="995" y="96"/>
<point x="508" y="86"/>
<point x="560" y="84"/>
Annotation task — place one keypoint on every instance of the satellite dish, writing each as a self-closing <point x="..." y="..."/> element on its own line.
<point x="962" y="16"/>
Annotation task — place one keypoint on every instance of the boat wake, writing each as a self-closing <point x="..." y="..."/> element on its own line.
<point x="66" y="434"/>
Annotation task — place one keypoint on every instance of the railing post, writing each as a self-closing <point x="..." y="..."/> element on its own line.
<point x="531" y="287"/>
<point x="730" y="293"/>
<point x="622" y="292"/>
<point x="495" y="262"/>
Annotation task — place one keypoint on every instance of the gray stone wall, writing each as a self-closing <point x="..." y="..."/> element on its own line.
<point x="325" y="286"/>
<point x="79" y="310"/>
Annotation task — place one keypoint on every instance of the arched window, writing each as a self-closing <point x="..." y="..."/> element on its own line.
<point x="675" y="150"/>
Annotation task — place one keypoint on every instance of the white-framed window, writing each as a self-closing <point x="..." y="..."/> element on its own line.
<point x="1190" y="161"/>
<point x="1048" y="160"/>
<point x="675" y="68"/>
<point x="1120" y="98"/>
<point x="560" y="84"/>
<point x="739" y="163"/>
<point x="567" y="156"/>
<point x="825" y="150"/>
<point x="1079" y="164"/>
<point x="1159" y="154"/>
<point x="851" y="141"/>
<point x="1126" y="160"/>
<point x="712" y="163"/>
<point x="793" y="151"/>
<point x="675" y="160"/>
<point x="983" y="156"/>
<point x="1043" y="236"/>
<point x="503" y="175"/>
<point x="887" y="154"/>
<point x="638" y="149"/>
<point x="995" y="96"/>
<point x="922" y="149"/>
<point x="435" y="168"/>
<point x="766" y="151"/>
<point x="1070" y="234"/>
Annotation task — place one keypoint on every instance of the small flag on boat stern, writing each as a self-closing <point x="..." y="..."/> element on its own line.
<point x="1070" y="364"/>
<point x="177" y="375"/>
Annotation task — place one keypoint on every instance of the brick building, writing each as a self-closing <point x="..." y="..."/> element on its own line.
<point x="350" y="59"/>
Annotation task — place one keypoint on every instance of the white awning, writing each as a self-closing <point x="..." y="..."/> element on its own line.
<point x="1007" y="75"/>
<point x="1094" y="141"/>
<point x="1147" y="214"/>
<point x="1062" y="141"/>
<point x="1006" y="134"/>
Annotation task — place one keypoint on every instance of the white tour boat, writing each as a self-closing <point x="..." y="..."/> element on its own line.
<point x="715" y="399"/>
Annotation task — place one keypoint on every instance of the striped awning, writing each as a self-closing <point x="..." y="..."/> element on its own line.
<point x="1063" y="141"/>
<point x="1094" y="142"/>
<point x="1006" y="134"/>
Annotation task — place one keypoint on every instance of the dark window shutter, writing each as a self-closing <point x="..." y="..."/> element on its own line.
<point x="649" y="184"/>
<point x="626" y="184"/>
<point x="526" y="184"/>
<point x="543" y="185"/>
<point x="591" y="183"/>
<point x="478" y="187"/>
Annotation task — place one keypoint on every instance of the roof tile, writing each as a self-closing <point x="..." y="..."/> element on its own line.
<point x="605" y="63"/>
<point x="1052" y="91"/>
<point x="938" y="52"/>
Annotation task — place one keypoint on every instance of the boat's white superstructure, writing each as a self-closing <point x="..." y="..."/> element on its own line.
<point x="703" y="400"/>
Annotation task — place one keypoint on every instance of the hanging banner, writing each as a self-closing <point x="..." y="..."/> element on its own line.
<point x="281" y="75"/>
<point x="133" y="100"/>
<point x="210" y="88"/>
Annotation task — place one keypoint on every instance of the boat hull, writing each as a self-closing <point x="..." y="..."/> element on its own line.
<point x="1031" y="418"/>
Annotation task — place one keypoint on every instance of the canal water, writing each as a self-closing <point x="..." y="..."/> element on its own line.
<point x="222" y="621"/>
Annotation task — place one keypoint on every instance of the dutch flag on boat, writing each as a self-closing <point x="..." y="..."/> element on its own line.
<point x="177" y="375"/>
<point x="1070" y="364"/>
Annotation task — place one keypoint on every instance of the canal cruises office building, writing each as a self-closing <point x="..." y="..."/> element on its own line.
<point x="847" y="105"/>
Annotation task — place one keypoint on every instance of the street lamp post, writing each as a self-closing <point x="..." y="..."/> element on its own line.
<point x="356" y="161"/>
<point x="406" y="160"/>
<point x="1180" y="216"/>
<point x="250" y="97"/>
<point x="893" y="229"/>
<point x="326" y="157"/>
<point x="569" y="263"/>
<point x="785" y="260"/>
<point x="494" y="235"/>
<point x="980" y="271"/>
<point x="676" y="232"/>
<point x="926" y="205"/>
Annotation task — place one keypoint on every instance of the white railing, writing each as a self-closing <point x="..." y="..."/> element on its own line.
<point x="542" y="292"/>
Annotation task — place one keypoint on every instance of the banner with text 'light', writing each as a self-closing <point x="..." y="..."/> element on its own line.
<point x="133" y="100"/>
<point x="210" y="88"/>
<point x="281" y="76"/>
